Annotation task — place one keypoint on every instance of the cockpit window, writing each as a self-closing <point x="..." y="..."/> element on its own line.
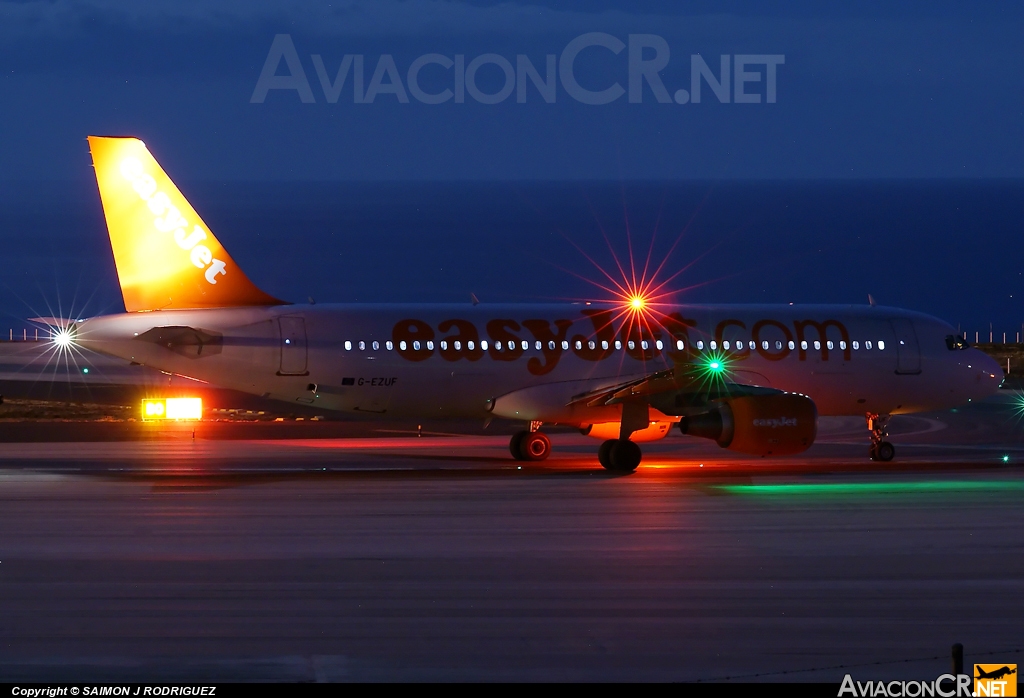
<point x="954" y="343"/>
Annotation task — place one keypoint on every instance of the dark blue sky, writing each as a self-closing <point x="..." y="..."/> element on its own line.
<point x="926" y="93"/>
<point x="877" y="90"/>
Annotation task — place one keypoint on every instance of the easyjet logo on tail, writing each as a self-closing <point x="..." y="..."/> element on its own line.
<point x="169" y="221"/>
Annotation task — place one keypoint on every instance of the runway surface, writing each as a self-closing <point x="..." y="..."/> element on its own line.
<point x="396" y="557"/>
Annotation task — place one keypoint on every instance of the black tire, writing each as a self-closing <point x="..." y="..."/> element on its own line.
<point x="885" y="452"/>
<point x="534" y="446"/>
<point x="624" y="456"/>
<point x="513" y="445"/>
<point x="602" y="454"/>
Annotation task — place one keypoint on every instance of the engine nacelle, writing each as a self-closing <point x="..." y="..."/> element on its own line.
<point x="610" y="430"/>
<point x="761" y="425"/>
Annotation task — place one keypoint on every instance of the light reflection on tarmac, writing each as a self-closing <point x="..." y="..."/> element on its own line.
<point x="440" y="558"/>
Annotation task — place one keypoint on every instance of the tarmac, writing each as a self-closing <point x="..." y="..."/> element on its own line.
<point x="377" y="554"/>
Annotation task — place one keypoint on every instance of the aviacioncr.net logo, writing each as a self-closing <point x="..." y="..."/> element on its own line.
<point x="945" y="686"/>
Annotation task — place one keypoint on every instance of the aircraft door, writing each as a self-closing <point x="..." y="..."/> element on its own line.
<point x="908" y="352"/>
<point x="293" y="346"/>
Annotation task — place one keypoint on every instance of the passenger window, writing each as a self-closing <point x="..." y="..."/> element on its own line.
<point x="430" y="344"/>
<point x="458" y="345"/>
<point x="713" y="345"/>
<point x="856" y="345"/>
<point x="551" y="345"/>
<point x="469" y="345"/>
<point x="526" y="345"/>
<point x="402" y="345"/>
<point x="416" y="345"/>
<point x="604" y="344"/>
<point x="829" y="344"/>
<point x="444" y="345"/>
<point x="679" y="345"/>
<point x="483" y="344"/>
<point x="348" y="345"/>
<point x="565" y="345"/>
<point x="591" y="345"/>
<point x="792" y="345"/>
<point x="537" y="345"/>
<point x="881" y="345"/>
<point x="700" y="344"/>
<point x="659" y="345"/>
<point x="803" y="344"/>
<point x="390" y="345"/>
<point x="753" y="344"/>
<point x="631" y="344"/>
<point x="618" y="345"/>
<point x="725" y="344"/>
<point x="376" y="346"/>
<point x="842" y="345"/>
<point x="579" y="345"/>
<point x="867" y="344"/>
<point x="817" y="344"/>
<point x="645" y="345"/>
<point x="362" y="346"/>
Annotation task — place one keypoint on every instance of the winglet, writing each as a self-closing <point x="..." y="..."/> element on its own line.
<point x="166" y="256"/>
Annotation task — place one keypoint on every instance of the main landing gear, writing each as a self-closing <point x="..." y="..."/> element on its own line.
<point x="616" y="455"/>
<point x="530" y="445"/>
<point x="881" y="449"/>
<point x="619" y="455"/>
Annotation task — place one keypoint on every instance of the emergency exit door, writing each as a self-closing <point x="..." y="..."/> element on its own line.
<point x="293" y="346"/>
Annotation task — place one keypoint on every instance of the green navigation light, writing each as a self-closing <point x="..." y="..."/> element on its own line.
<point x="712" y="369"/>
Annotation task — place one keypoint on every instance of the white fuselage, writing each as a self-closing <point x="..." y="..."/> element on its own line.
<point x="528" y="361"/>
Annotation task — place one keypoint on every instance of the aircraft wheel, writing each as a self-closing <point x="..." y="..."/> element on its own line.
<point x="624" y="456"/>
<point x="534" y="446"/>
<point x="603" y="454"/>
<point x="514" y="444"/>
<point x="885" y="452"/>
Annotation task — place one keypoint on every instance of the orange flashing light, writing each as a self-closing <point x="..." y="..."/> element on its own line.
<point x="154" y="409"/>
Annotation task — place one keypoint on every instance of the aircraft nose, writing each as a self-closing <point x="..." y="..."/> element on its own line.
<point x="989" y="375"/>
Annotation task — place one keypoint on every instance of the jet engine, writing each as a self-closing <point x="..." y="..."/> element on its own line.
<point x="610" y="430"/>
<point x="761" y="425"/>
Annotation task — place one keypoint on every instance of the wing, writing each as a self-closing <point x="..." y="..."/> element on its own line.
<point x="676" y="391"/>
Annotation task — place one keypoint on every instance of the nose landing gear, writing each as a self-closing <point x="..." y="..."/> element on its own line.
<point x="530" y="445"/>
<point x="881" y="450"/>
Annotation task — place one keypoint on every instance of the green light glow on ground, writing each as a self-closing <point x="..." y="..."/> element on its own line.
<point x="867" y="488"/>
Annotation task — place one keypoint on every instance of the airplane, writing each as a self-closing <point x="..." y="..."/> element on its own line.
<point x="753" y="378"/>
<point x="995" y="674"/>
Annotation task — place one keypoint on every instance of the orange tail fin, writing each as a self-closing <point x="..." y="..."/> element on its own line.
<point x="165" y="254"/>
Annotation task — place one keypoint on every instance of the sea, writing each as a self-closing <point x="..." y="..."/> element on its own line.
<point x="949" y="248"/>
